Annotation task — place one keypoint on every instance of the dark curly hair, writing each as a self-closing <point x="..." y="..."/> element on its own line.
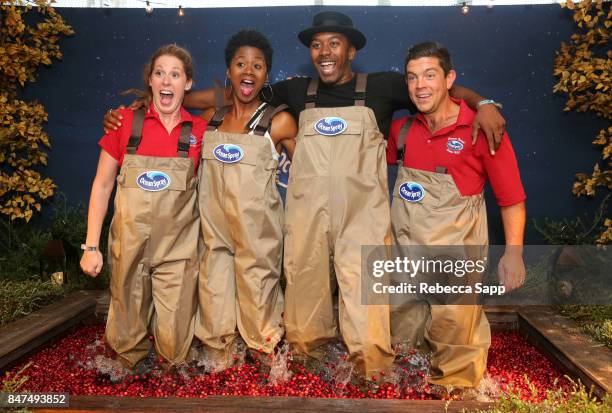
<point x="252" y="38"/>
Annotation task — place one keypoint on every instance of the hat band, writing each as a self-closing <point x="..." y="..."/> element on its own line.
<point x="333" y="23"/>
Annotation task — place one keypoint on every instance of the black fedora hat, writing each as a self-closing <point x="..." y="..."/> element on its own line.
<point x="333" y="22"/>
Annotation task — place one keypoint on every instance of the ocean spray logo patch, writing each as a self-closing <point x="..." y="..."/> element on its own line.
<point x="411" y="191"/>
<point x="330" y="126"/>
<point x="192" y="140"/>
<point x="455" y="145"/>
<point x="228" y="153"/>
<point x="153" y="181"/>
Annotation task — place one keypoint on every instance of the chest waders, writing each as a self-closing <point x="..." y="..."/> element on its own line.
<point x="242" y="219"/>
<point x="153" y="253"/>
<point x="459" y="335"/>
<point x="337" y="201"/>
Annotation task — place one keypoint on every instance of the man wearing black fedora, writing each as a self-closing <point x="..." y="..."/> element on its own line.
<point x="337" y="198"/>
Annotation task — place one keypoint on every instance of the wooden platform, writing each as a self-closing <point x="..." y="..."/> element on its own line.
<point x="574" y="353"/>
<point x="23" y="336"/>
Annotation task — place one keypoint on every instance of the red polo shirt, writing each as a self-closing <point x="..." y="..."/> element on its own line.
<point x="155" y="139"/>
<point x="469" y="165"/>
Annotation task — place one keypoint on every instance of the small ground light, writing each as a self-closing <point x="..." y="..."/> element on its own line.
<point x="149" y="8"/>
<point x="181" y="11"/>
<point x="465" y="9"/>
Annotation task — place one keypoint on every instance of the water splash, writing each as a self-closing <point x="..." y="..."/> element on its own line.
<point x="488" y="390"/>
<point x="213" y="360"/>
<point x="279" y="366"/>
<point x="113" y="368"/>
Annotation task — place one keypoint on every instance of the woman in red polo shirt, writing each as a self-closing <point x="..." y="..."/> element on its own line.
<point x="153" y="253"/>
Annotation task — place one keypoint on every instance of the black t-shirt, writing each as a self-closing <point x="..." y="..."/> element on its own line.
<point x="385" y="93"/>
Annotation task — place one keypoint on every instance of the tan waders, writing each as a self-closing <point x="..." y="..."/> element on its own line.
<point x="153" y="253"/>
<point x="337" y="201"/>
<point x="459" y="335"/>
<point x="242" y="218"/>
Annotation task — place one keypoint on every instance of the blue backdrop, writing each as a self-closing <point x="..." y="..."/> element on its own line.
<point x="505" y="53"/>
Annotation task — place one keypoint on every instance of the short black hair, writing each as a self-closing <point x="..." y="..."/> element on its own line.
<point x="252" y="38"/>
<point x="430" y="49"/>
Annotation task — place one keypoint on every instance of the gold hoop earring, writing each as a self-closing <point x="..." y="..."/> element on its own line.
<point x="225" y="84"/>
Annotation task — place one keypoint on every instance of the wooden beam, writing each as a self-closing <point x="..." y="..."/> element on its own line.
<point x="25" y="335"/>
<point x="262" y="404"/>
<point x="576" y="354"/>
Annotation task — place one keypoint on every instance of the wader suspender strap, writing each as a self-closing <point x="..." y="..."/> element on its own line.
<point x="311" y="93"/>
<point x="265" y="122"/>
<point x="217" y="118"/>
<point x="134" y="142"/>
<point x="136" y="131"/>
<point x="401" y="140"/>
<point x="360" y="89"/>
<point x="183" y="143"/>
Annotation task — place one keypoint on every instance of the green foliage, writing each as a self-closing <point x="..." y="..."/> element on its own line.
<point x="20" y="298"/>
<point x="21" y="245"/>
<point x="577" y="400"/>
<point x="576" y="231"/>
<point x="583" y="68"/>
<point x="20" y="248"/>
<point x="29" y="36"/>
<point x="13" y="382"/>
<point x="595" y="320"/>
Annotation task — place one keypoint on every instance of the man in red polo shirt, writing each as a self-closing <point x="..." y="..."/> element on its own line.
<point x="438" y="200"/>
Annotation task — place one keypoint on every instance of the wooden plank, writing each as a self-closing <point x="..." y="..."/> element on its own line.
<point x="261" y="404"/>
<point x="21" y="337"/>
<point x="559" y="338"/>
<point x="502" y="318"/>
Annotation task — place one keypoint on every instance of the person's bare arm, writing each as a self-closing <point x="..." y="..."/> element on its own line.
<point x="487" y="118"/>
<point x="283" y="132"/>
<point x="205" y="99"/>
<point x="511" y="267"/>
<point x="102" y="187"/>
<point x="208" y="114"/>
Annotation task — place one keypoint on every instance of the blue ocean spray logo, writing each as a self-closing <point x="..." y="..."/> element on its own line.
<point x="330" y="126"/>
<point x="228" y="153"/>
<point x="153" y="181"/>
<point x="454" y="145"/>
<point x="411" y="191"/>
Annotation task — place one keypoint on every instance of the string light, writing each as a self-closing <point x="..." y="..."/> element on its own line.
<point x="181" y="11"/>
<point x="465" y="9"/>
<point x="490" y="4"/>
<point x="149" y="8"/>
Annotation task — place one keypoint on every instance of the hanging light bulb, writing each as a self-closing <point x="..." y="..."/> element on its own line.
<point x="181" y="11"/>
<point x="465" y="9"/>
<point x="490" y="4"/>
<point x="148" y="8"/>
